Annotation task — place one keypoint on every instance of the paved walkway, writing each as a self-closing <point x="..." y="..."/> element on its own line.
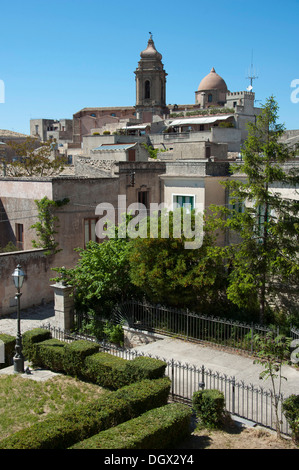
<point x="214" y="359"/>
<point x="39" y="375"/>
<point x="218" y="360"/>
<point x="30" y="318"/>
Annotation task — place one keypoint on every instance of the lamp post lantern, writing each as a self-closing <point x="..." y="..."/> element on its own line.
<point x="18" y="279"/>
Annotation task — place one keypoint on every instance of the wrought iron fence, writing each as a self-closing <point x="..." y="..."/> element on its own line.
<point x="191" y="326"/>
<point x="294" y="333"/>
<point x="243" y="400"/>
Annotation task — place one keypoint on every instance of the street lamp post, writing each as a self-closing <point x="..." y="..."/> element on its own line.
<point x="18" y="279"/>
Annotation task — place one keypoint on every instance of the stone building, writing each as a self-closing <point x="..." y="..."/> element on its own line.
<point x="211" y="91"/>
<point x="50" y="129"/>
<point x="150" y="84"/>
<point x="218" y="115"/>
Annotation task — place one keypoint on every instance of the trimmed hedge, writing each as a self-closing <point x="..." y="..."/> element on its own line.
<point x="49" y="354"/>
<point x="209" y="406"/>
<point x="30" y="338"/>
<point x="75" y="354"/>
<point x="9" y="349"/>
<point x="107" y="370"/>
<point x="147" y="367"/>
<point x="159" y="428"/>
<point x="114" y="372"/>
<point x="82" y="359"/>
<point x="64" y="430"/>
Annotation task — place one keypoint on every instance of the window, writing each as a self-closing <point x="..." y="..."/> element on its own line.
<point x="90" y="231"/>
<point x="237" y="206"/>
<point x="210" y="98"/>
<point x="143" y="198"/>
<point x="20" y="236"/>
<point x="184" y="201"/>
<point x="260" y="219"/>
<point x="147" y="89"/>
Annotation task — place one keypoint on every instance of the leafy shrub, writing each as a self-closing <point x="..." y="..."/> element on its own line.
<point x="75" y="354"/>
<point x="114" y="333"/>
<point x="9" y="248"/>
<point x="9" y="349"/>
<point x="64" y="430"/>
<point x="30" y="338"/>
<point x="209" y="407"/>
<point x="290" y="407"/>
<point x="158" y="428"/>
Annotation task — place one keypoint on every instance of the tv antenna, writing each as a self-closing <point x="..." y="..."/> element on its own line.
<point x="251" y="74"/>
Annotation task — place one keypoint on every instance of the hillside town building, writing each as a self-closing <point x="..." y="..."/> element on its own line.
<point x="107" y="150"/>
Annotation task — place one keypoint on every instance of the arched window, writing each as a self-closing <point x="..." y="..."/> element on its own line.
<point x="147" y="89"/>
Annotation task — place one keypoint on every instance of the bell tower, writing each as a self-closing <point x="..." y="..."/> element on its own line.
<point x="150" y="79"/>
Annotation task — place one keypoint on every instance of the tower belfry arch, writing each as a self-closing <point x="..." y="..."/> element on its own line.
<point x="150" y="79"/>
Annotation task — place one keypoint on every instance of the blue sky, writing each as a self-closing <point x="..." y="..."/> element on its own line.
<point x="57" y="57"/>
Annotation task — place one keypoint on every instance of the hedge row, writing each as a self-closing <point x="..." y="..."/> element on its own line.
<point x="84" y="359"/>
<point x="159" y="428"/>
<point x="64" y="430"/>
<point x="9" y="349"/>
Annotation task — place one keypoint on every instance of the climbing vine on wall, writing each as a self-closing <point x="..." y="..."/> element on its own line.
<point x="47" y="224"/>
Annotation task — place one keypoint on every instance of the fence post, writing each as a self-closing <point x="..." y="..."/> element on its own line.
<point x="233" y="394"/>
<point x="172" y="378"/>
<point x="63" y="306"/>
<point x="202" y="383"/>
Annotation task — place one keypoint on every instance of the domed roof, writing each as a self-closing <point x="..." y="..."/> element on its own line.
<point x="212" y="81"/>
<point x="150" y="52"/>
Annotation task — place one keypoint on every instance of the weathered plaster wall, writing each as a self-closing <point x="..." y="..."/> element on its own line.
<point x="36" y="288"/>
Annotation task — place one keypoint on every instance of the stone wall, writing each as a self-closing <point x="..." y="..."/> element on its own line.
<point x="36" y="288"/>
<point x="134" y="338"/>
<point x="86" y="166"/>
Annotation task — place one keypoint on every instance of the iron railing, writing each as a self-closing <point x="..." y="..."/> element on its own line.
<point x="246" y="401"/>
<point x="191" y="326"/>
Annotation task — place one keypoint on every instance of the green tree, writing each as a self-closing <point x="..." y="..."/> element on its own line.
<point x="101" y="277"/>
<point x="170" y="274"/>
<point x="35" y="158"/>
<point x="264" y="259"/>
<point x="273" y="353"/>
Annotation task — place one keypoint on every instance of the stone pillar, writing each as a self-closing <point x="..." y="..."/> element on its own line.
<point x="63" y="306"/>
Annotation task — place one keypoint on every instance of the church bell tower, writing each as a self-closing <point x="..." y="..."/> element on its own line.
<point x="150" y="84"/>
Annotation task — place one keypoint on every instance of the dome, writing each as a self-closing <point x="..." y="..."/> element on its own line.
<point x="212" y="81"/>
<point x="150" y="52"/>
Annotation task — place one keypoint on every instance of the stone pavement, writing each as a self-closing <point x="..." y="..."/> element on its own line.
<point x="30" y="318"/>
<point x="221" y="361"/>
<point x="39" y="375"/>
